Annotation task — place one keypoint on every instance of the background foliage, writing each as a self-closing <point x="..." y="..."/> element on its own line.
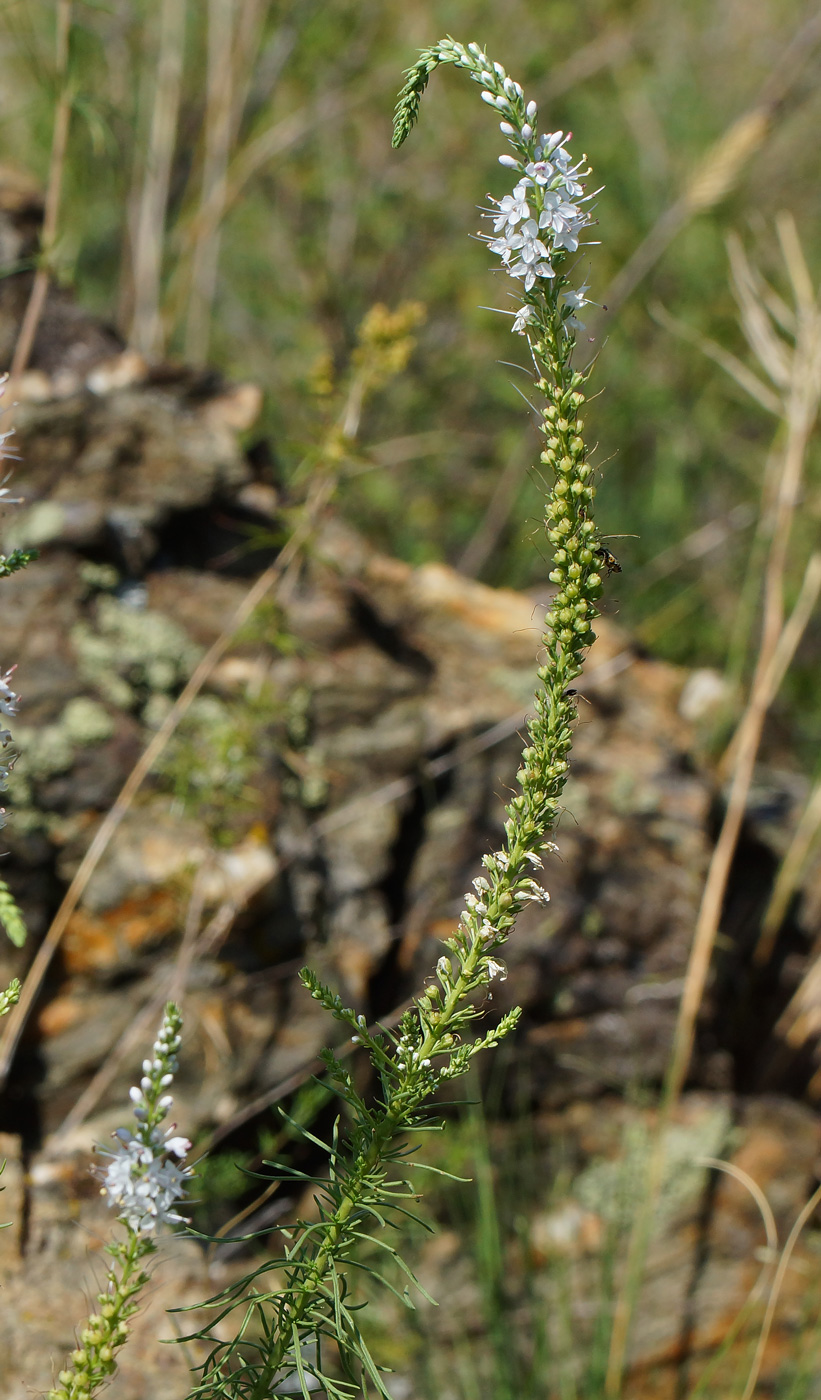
<point x="334" y="221"/>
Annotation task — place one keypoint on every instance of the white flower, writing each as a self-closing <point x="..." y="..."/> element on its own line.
<point x="530" y="271"/>
<point x="504" y="247"/>
<point x="552" y="141"/>
<point x="6" y="499"/>
<point x="532" y="247"/>
<point x="523" y="318"/>
<point x="559" y="214"/>
<point x="512" y="208"/>
<point x="495" y="969"/>
<point x="532" y="893"/>
<point x="541" y="172"/>
<point x="576" y="300"/>
<point x="8" y="699"/>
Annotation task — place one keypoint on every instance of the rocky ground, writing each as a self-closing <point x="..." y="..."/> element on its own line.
<point x="327" y="800"/>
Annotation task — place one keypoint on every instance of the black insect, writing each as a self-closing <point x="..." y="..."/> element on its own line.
<point x="608" y="559"/>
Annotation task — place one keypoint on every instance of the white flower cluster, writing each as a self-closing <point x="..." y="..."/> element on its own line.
<point x="544" y="214"/>
<point x="408" y="1058"/>
<point x="142" y="1182"/>
<point x="539" y="217"/>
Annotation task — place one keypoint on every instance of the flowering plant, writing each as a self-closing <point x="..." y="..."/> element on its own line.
<point x="144" y="1181"/>
<point x="289" y="1327"/>
<point x="296" y="1326"/>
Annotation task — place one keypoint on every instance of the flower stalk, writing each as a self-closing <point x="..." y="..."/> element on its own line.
<point x="536" y="229"/>
<point x="144" y="1181"/>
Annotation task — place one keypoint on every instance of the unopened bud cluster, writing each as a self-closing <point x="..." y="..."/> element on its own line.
<point x="93" y="1360"/>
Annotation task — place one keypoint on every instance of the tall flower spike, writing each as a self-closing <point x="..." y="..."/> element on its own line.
<point x="283" y="1328"/>
<point x="535" y="229"/>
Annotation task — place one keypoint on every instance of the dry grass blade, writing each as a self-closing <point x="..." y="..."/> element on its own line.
<point x="770" y="671"/>
<point x="778" y="1282"/>
<point x="746" y="378"/>
<point x="731" y="1333"/>
<point x="762" y="338"/>
<point x="321" y="488"/>
<point x="200" y="225"/>
<point x="787" y="882"/>
<point x="796" y="263"/>
<point x="609" y="49"/>
<point x="801" y="1019"/>
<point x="194" y="944"/>
<point x="777" y="647"/>
<point x="499" y="508"/>
<point x="54" y="187"/>
<point x="219" y="112"/>
<point x="720" y="167"/>
<point x="751" y="1185"/>
<point x="247" y="38"/>
<point x="110" y="823"/>
<point x="149" y="226"/>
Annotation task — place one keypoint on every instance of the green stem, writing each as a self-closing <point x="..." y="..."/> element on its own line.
<point x="93" y="1363"/>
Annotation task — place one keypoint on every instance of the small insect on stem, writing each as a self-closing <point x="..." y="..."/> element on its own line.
<point x="608" y="559"/>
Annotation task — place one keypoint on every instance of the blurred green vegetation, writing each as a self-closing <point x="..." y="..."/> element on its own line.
<point x="335" y="221"/>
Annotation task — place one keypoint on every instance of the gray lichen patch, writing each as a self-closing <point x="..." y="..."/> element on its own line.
<point x="131" y="651"/>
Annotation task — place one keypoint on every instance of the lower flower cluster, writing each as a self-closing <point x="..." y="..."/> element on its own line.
<point x="143" y="1183"/>
<point x="146" y="1176"/>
